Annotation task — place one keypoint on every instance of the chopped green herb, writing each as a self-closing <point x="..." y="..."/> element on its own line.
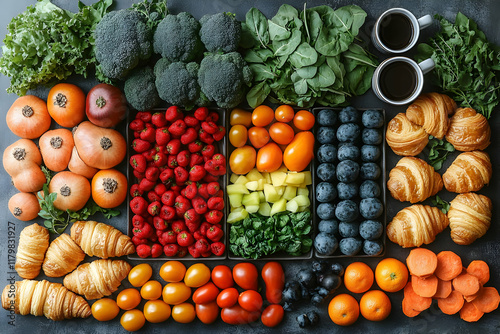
<point x="439" y="151"/>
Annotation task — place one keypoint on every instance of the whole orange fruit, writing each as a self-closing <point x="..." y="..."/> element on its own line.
<point x="391" y="275"/>
<point x="343" y="310"/>
<point x="375" y="305"/>
<point x="358" y="277"/>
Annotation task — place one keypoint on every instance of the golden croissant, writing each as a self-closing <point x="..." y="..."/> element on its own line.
<point x="413" y="180"/>
<point x="470" y="217"/>
<point x="98" y="278"/>
<point x="101" y="240"/>
<point x="33" y="243"/>
<point x="469" y="172"/>
<point x="431" y="111"/>
<point x="416" y="225"/>
<point x="469" y="130"/>
<point x="404" y="137"/>
<point x="62" y="257"/>
<point x="44" y="298"/>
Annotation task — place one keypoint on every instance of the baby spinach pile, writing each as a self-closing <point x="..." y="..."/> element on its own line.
<point x="308" y="57"/>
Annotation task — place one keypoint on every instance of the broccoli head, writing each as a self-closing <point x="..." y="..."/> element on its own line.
<point x="140" y="89"/>
<point x="223" y="77"/>
<point x="122" y="40"/>
<point x="220" y="32"/>
<point x="176" y="38"/>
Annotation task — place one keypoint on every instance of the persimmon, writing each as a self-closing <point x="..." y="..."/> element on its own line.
<point x="66" y="104"/>
<point x="56" y="147"/>
<point x="24" y="206"/>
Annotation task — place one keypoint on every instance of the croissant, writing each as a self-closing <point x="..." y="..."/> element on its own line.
<point x="413" y="180"/>
<point x="102" y="240"/>
<point x="468" y="130"/>
<point x="33" y="242"/>
<point x="470" y="217"/>
<point x="469" y="172"/>
<point x="98" y="278"/>
<point x="44" y="298"/>
<point x="404" y="137"/>
<point x="62" y="257"/>
<point x="431" y="111"/>
<point x="416" y="225"/>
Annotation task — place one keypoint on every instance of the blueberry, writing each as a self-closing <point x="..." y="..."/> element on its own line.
<point x="372" y="118"/>
<point x="313" y="317"/>
<point x="303" y="321"/>
<point x="369" y="171"/>
<point x="326" y="172"/>
<point x="348" y="151"/>
<point x="369" y="189"/>
<point x="287" y="306"/>
<point x="328" y="226"/>
<point x="327" y="153"/>
<point x="371" y="229"/>
<point x="348" y="132"/>
<point x="326" y="135"/>
<point x="305" y="294"/>
<point x="350" y="246"/>
<point x="347" y="211"/>
<point x="307" y="278"/>
<point x="292" y="291"/>
<point x="347" y="171"/>
<point x="320" y="267"/>
<point x="372" y="247"/>
<point x="349" y="115"/>
<point x="371" y="136"/>
<point x="347" y="230"/>
<point x="327" y="117"/>
<point x="316" y="299"/>
<point x="325" y="192"/>
<point x="323" y="292"/>
<point x="338" y="269"/>
<point x="325" y="244"/>
<point x="370" y="153"/>
<point x="371" y="208"/>
<point x="347" y="190"/>
<point x="331" y="281"/>
<point x="326" y="211"/>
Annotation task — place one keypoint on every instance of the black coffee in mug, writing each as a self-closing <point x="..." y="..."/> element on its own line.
<point x="398" y="80"/>
<point x="396" y="31"/>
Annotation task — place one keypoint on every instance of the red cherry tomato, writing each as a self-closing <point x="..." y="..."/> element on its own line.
<point x="274" y="278"/>
<point x="272" y="315"/>
<point x="222" y="277"/>
<point x="207" y="313"/>
<point x="227" y="297"/>
<point x="246" y="276"/>
<point x="250" y="300"/>
<point x="236" y="315"/>
<point x="205" y="294"/>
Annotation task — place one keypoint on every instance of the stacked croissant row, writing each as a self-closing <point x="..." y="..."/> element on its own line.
<point x="414" y="180"/>
<point x="62" y="257"/>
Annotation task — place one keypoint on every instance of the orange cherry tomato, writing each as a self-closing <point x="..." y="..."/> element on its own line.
<point x="246" y="276"/>
<point x="66" y="104"/>
<point x="299" y="152"/>
<point x="284" y="113"/>
<point x="207" y="313"/>
<point x="132" y="320"/>
<point x="105" y="309"/>
<point x="172" y="271"/>
<point x="140" y="274"/>
<point x="272" y="315"/>
<point x="156" y="311"/>
<point x="262" y="115"/>
<point x="128" y="299"/>
<point x="222" y="276"/>
<point x="250" y="300"/>
<point x="303" y="120"/>
<point x="197" y="275"/>
<point x="281" y="133"/>
<point x="238" y="135"/>
<point x="151" y="290"/>
<point x="205" y="294"/>
<point x="183" y="313"/>
<point x="176" y="293"/>
<point x="242" y="160"/>
<point x="240" y="116"/>
<point x="258" y="136"/>
<point x="269" y="158"/>
<point x="227" y="297"/>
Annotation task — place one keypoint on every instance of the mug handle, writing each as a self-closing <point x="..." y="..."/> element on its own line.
<point x="427" y="65"/>
<point x="424" y="21"/>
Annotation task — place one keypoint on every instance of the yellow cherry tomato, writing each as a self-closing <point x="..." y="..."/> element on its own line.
<point x="238" y="135"/>
<point x="262" y="115"/>
<point x="140" y="274"/>
<point x="176" y="293"/>
<point x="197" y="275"/>
<point x="269" y="158"/>
<point x="242" y="160"/>
<point x="128" y="299"/>
<point x="151" y="290"/>
<point x="172" y="271"/>
<point x="105" y="309"/>
<point x="156" y="311"/>
<point x="183" y="313"/>
<point x="132" y="320"/>
<point x="284" y="113"/>
<point x="241" y="117"/>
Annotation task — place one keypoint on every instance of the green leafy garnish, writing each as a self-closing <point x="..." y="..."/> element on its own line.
<point x="439" y="151"/>
<point x="441" y="204"/>
<point x="153" y="11"/>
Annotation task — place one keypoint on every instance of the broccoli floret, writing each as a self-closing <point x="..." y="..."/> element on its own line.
<point x="220" y="32"/>
<point x="222" y="78"/>
<point x="140" y="89"/>
<point x="122" y="40"/>
<point x="177" y="39"/>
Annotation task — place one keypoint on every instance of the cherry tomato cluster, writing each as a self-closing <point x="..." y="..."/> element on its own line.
<point x="276" y="140"/>
<point x="177" y="201"/>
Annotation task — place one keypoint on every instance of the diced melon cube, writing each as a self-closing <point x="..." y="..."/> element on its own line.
<point x="251" y="199"/>
<point x="307" y="177"/>
<point x="279" y="206"/>
<point x="254" y="175"/>
<point x="233" y="178"/>
<point x="261" y="183"/>
<point x="270" y="193"/>
<point x="237" y="216"/>
<point x="278" y="178"/>
<point x="237" y="188"/>
<point x="292" y="206"/>
<point x="252" y="185"/>
<point x="303" y="191"/>
<point x="237" y="209"/>
<point x="280" y="190"/>
<point x="235" y="200"/>
<point x="266" y="177"/>
<point x="302" y="200"/>
<point x="265" y="209"/>
<point x="282" y="169"/>
<point x="262" y="197"/>
<point x="290" y="192"/>
<point x="294" y="178"/>
<point x="302" y="208"/>
<point x="252" y="208"/>
<point x="242" y="179"/>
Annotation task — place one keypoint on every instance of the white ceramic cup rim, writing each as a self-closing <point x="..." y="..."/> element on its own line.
<point x="415" y="26"/>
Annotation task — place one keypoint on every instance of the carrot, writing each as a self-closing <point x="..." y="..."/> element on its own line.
<point x="451" y="304"/>
<point x="480" y="269"/>
<point x="466" y="284"/>
<point x="417" y="302"/>
<point x="408" y="310"/>
<point x="443" y="289"/>
<point x="449" y="265"/>
<point x="471" y="297"/>
<point x="424" y="287"/>
<point x="421" y="262"/>
<point x="487" y="300"/>
<point x="470" y="313"/>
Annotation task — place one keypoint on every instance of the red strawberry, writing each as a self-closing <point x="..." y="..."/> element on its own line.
<point x="202" y="245"/>
<point x="146" y="185"/>
<point x="191" y="190"/>
<point x="138" y="175"/>
<point x="172" y="161"/>
<point x="156" y="250"/>
<point x="144" y="232"/>
<point x="154" y="208"/>
<point x="171" y="250"/>
<point x="137" y="125"/>
<point x="195" y="146"/>
<point x="139" y="241"/>
<point x="219" y="159"/>
<point x="173" y="113"/>
<point x="193" y="251"/>
<point x="149" y="154"/>
<point x="208" y="150"/>
<point x="184" y="238"/>
<point x="199" y="205"/>
<point x="158" y="119"/>
<point x="167" y="237"/>
<point x="144" y="116"/>
<point x="174" y="146"/>
<point x="148" y="133"/>
<point x="178" y="226"/>
<point x="135" y="191"/>
<point x="143" y="250"/>
<point x="195" y="159"/>
<point x="189" y="136"/>
<point x="214" y="216"/>
<point x="205" y="137"/>
<point x="159" y="223"/>
<point x="160" y="159"/>
<point x="215" y="233"/>
<point x="182" y="252"/>
<point x="167" y="176"/>
<point x="181" y="175"/>
<point x="152" y="173"/>
<point x="191" y="121"/>
<point x="209" y="127"/>
<point x="177" y="128"/>
<point x="203" y="190"/>
<point x="215" y="203"/>
<point x="160" y="188"/>
<point x="212" y="117"/>
<point x="168" y="198"/>
<point x="218" y="248"/>
<point x="204" y="228"/>
<point x="183" y="158"/>
<point x="196" y="173"/>
<point x="201" y="113"/>
<point x="191" y="217"/>
<point x="138" y="205"/>
<point x="138" y="163"/>
<point x="213" y="188"/>
<point x="162" y="136"/>
<point x="152" y="196"/>
<point x="197" y="235"/>
<point x="181" y="205"/>
<point x="167" y="212"/>
<point x="221" y="132"/>
<point x="209" y="178"/>
<point x="138" y="221"/>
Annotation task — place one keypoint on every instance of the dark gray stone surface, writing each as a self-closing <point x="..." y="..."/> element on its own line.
<point x="486" y="13"/>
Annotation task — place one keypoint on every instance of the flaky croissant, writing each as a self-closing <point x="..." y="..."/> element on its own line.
<point x="33" y="243"/>
<point x="404" y="137"/>
<point x="62" y="257"/>
<point x="102" y="240"/>
<point x="413" y="180"/>
<point x="44" y="298"/>
<point x="470" y="217"/>
<point x="98" y="278"/>
<point x="469" y="172"/>
<point x="469" y="130"/>
<point x="431" y="111"/>
<point x="416" y="225"/>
